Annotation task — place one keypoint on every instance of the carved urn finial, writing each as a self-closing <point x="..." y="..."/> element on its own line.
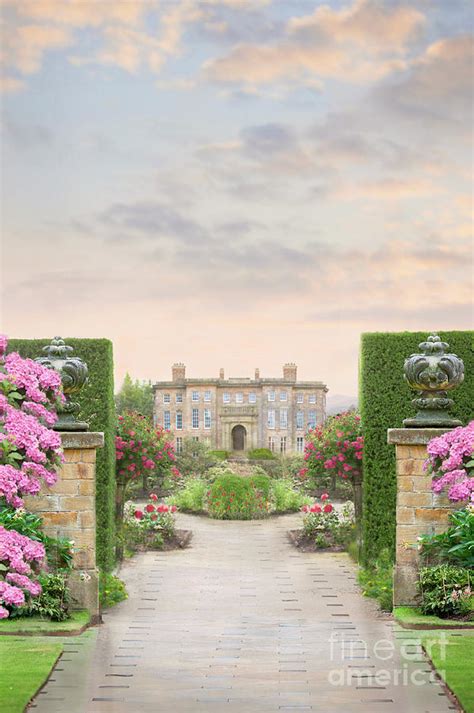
<point x="434" y="372"/>
<point x="74" y="375"/>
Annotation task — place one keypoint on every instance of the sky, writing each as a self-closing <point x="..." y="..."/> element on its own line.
<point x="236" y="183"/>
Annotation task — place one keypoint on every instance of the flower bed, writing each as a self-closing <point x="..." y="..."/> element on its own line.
<point x="152" y="527"/>
<point x="324" y="528"/>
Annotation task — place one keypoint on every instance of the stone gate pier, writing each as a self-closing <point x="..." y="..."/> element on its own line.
<point x="68" y="510"/>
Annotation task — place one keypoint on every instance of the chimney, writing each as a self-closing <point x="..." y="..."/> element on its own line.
<point x="178" y="372"/>
<point x="221" y="373"/>
<point x="257" y="374"/>
<point x="289" y="372"/>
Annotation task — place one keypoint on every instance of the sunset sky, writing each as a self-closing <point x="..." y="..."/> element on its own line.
<point x="236" y="183"/>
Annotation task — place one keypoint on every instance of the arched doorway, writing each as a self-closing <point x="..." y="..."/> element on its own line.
<point x="239" y="435"/>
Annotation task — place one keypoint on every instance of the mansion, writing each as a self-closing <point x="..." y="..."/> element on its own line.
<point x="240" y="414"/>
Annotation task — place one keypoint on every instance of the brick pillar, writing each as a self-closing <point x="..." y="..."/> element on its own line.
<point x="419" y="510"/>
<point x="68" y="510"/>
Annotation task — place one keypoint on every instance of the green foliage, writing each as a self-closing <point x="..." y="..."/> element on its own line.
<point x="191" y="498"/>
<point x="135" y="396"/>
<point x="260" y="454"/>
<point x="376" y="580"/>
<point x="53" y="602"/>
<point x="385" y="400"/>
<point x="195" y="458"/>
<point x="328" y="527"/>
<point x="286" y="498"/>
<point x="98" y="409"/>
<point x="445" y="590"/>
<point x="232" y="497"/>
<point x="58" y="549"/>
<point x="219" y="455"/>
<point x="111" y="590"/>
<point x="456" y="545"/>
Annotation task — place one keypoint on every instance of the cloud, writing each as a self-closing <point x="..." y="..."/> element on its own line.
<point x="27" y="136"/>
<point x="153" y="220"/>
<point x="25" y="45"/>
<point x="360" y="43"/>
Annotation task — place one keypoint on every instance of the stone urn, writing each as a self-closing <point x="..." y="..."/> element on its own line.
<point x="433" y="372"/>
<point x="74" y="376"/>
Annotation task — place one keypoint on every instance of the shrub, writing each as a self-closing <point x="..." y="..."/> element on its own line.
<point x="376" y="580"/>
<point x="111" y="590"/>
<point x="445" y="591"/>
<point x="286" y="498"/>
<point x="232" y="497"/>
<point x="326" y="526"/>
<point x="219" y="455"/>
<point x="456" y="545"/>
<point x="384" y="402"/>
<point x="53" y="602"/>
<point x="148" y="526"/>
<point x="195" y="458"/>
<point x="451" y="460"/>
<point x="98" y="409"/>
<point x="260" y="454"/>
<point x="191" y="498"/>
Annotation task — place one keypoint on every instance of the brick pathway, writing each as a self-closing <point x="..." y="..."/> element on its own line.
<point x="242" y="623"/>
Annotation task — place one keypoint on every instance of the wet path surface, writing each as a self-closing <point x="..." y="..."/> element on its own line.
<point x="242" y="622"/>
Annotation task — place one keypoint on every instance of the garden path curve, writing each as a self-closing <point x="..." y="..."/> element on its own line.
<point x="242" y="622"/>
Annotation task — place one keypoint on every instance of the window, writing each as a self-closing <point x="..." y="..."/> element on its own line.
<point x="226" y="397"/>
<point x="207" y="418"/>
<point x="300" y="444"/>
<point x="167" y="420"/>
<point x="252" y="398"/>
<point x="271" y="396"/>
<point x="196" y="439"/>
<point x="283" y="396"/>
<point x="166" y="398"/>
<point x="283" y="444"/>
<point x="239" y="398"/>
<point x="311" y="419"/>
<point x="312" y="398"/>
<point x="271" y="444"/>
<point x="207" y="396"/>
<point x="179" y="398"/>
<point x="271" y="418"/>
<point x="283" y="418"/>
<point x="195" y="418"/>
<point x="179" y="445"/>
<point x="300" y="419"/>
<point x="179" y="420"/>
<point x="300" y="398"/>
<point x="195" y="396"/>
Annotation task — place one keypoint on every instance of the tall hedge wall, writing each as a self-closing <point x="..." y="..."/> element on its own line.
<point x="98" y="409"/>
<point x="385" y="400"/>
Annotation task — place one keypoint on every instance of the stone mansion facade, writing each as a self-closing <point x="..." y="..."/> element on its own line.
<point x="239" y="414"/>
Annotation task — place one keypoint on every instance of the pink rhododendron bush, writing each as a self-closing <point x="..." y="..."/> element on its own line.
<point x="30" y="452"/>
<point x="451" y="461"/>
<point x="335" y="449"/>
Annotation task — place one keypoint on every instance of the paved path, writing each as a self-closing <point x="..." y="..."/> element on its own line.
<point x="241" y="622"/>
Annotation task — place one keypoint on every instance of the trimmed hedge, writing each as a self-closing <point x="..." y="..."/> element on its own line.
<point x="260" y="454"/>
<point x="98" y="409"/>
<point x="385" y="400"/>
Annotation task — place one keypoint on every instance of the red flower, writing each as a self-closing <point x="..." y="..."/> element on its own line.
<point x="324" y="496"/>
<point x="315" y="508"/>
<point x="138" y="514"/>
<point x="154" y="497"/>
<point x="150" y="508"/>
<point x="305" y="508"/>
<point x="328" y="507"/>
<point x="173" y="508"/>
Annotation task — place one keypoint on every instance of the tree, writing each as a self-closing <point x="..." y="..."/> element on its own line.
<point x="135" y="396"/>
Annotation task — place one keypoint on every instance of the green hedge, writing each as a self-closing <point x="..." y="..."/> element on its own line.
<point x="385" y="400"/>
<point x="98" y="409"/>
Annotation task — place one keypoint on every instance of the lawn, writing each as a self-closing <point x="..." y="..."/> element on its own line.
<point x="25" y="665"/>
<point x="454" y="663"/>
<point x="412" y="618"/>
<point x="38" y="626"/>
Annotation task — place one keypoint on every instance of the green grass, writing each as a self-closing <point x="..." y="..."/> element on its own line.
<point x="25" y="665"/>
<point x="454" y="664"/>
<point x="411" y="617"/>
<point x="37" y="625"/>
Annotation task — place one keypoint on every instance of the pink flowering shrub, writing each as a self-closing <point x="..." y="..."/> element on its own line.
<point x="451" y="461"/>
<point x="30" y="451"/>
<point x="19" y="558"/>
